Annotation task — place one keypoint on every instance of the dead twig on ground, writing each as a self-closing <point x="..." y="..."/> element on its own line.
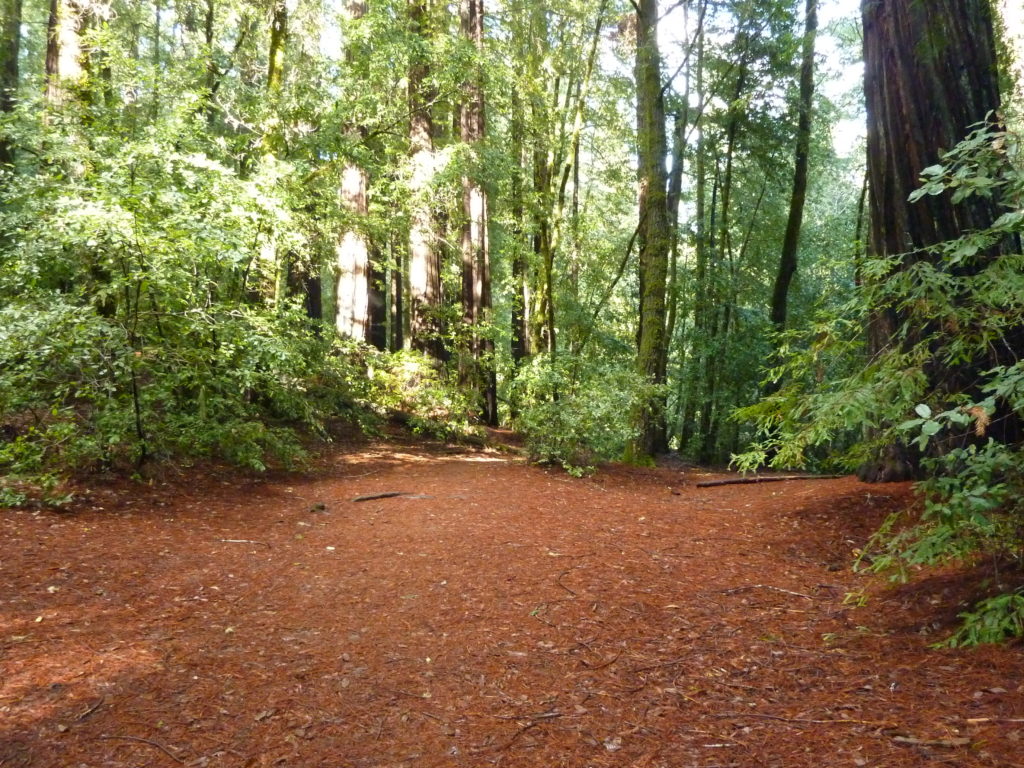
<point x="558" y="580"/>
<point x="768" y="479"/>
<point x="92" y="709"/>
<point x="399" y="692"/>
<point x="672" y="663"/>
<point x="798" y="720"/>
<point x="603" y="665"/>
<point x="534" y="722"/>
<point x="748" y="587"/>
<point x="382" y="495"/>
<point x="139" y="740"/>
<point x="948" y="743"/>
<point x="541" y="716"/>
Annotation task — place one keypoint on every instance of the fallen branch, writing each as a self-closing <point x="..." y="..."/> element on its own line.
<point x="384" y="495"/>
<point x="535" y="720"/>
<point x="559" y="582"/>
<point x="765" y="479"/>
<point x="949" y="743"/>
<point x="748" y="587"/>
<point x="660" y="665"/>
<point x="980" y="720"/>
<point x="161" y="747"/>
<point x="731" y="715"/>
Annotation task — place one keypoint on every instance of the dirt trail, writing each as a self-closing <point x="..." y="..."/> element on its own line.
<point x="498" y="614"/>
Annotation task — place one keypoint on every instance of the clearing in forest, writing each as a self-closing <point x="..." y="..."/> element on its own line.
<point x="495" y="613"/>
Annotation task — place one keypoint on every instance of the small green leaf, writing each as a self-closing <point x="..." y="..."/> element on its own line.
<point x="923" y="411"/>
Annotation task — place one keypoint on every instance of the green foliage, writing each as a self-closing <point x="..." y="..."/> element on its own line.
<point x="418" y="388"/>
<point x="132" y="323"/>
<point x="949" y="386"/>
<point x="573" y="412"/>
<point x="993" y="620"/>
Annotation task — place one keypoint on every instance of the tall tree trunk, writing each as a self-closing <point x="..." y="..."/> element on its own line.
<point x="273" y="251"/>
<point x="580" y="94"/>
<point x="352" y="254"/>
<point x="424" y="254"/>
<point x="649" y="419"/>
<point x="63" y="50"/>
<point x="788" y="260"/>
<point x="10" y="46"/>
<point x="689" y="389"/>
<point x="378" y="309"/>
<point x="930" y="73"/>
<point x="541" y="312"/>
<point x="278" y="35"/>
<point x="521" y="298"/>
<point x="476" y="256"/>
<point x="352" y="258"/>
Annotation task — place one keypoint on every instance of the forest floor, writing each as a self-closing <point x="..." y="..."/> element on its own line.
<point x="497" y="613"/>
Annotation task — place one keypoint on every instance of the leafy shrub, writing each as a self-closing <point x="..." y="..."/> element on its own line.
<point x="993" y="620"/>
<point x="953" y="393"/>
<point x="575" y="413"/>
<point x="415" y="386"/>
<point x="136" y="317"/>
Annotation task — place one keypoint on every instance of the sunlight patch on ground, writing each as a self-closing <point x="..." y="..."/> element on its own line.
<point x="41" y="686"/>
<point x="396" y="458"/>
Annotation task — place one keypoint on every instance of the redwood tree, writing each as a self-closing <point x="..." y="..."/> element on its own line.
<point x="424" y="250"/>
<point x="930" y="74"/>
<point x="476" y="254"/>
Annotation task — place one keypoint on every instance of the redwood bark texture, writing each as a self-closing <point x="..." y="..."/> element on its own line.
<point x="930" y="74"/>
<point x="424" y="253"/>
<point x="476" y="256"/>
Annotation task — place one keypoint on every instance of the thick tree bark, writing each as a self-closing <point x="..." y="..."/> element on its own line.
<point x="476" y="256"/>
<point x="63" y="50"/>
<point x="10" y="46"/>
<point x="930" y="74"/>
<point x="378" y="307"/>
<point x="424" y="255"/>
<point x="791" y="241"/>
<point x="354" y="278"/>
<point x="520" y="267"/>
<point x="654" y="235"/>
<point x="352" y="258"/>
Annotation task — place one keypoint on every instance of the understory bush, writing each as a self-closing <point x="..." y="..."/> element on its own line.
<point x="574" y="413"/>
<point x="134" y="318"/>
<point x="949" y="387"/>
<point x="418" y="389"/>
